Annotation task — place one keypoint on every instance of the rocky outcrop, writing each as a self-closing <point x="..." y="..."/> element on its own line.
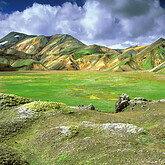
<point x="122" y="102"/>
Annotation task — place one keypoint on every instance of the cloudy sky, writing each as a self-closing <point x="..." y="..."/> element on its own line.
<point x="112" y="23"/>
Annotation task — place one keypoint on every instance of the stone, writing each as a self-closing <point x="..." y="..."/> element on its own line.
<point x="91" y="107"/>
<point x="122" y="103"/>
<point x="81" y="105"/>
<point x="85" y="107"/>
<point x="139" y="100"/>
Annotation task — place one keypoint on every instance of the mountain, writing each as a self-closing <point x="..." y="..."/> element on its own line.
<point x="64" y="52"/>
<point x="13" y="38"/>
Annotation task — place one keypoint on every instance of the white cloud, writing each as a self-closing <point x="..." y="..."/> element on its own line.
<point x="110" y="23"/>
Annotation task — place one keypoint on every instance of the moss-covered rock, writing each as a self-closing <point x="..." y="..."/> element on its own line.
<point x="68" y="131"/>
<point x="9" y="100"/>
<point x="72" y="131"/>
<point x="38" y="106"/>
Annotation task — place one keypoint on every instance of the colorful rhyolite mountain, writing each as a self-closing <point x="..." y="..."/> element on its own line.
<point x="64" y="52"/>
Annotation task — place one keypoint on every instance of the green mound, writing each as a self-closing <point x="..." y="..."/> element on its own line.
<point x="27" y="62"/>
<point x="12" y="100"/>
<point x="44" y="106"/>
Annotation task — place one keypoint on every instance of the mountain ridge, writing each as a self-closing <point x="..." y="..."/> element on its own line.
<point x="64" y="52"/>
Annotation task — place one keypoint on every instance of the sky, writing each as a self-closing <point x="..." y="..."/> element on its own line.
<point x="112" y="23"/>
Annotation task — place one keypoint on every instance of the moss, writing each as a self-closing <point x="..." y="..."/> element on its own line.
<point x="38" y="106"/>
<point x="72" y="131"/>
<point x="12" y="100"/>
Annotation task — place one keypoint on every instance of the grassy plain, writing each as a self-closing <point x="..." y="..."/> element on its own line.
<point x="101" y="89"/>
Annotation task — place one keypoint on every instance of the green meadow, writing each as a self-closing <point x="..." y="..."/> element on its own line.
<point x="101" y="89"/>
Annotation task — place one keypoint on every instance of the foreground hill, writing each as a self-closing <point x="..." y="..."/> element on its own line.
<point x="40" y="132"/>
<point x="64" y="52"/>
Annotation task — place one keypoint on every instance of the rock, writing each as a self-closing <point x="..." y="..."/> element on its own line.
<point x="139" y="100"/>
<point x="81" y="105"/>
<point x="125" y="101"/>
<point x="122" y="102"/>
<point x="91" y="107"/>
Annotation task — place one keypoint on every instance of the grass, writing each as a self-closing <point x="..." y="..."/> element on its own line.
<point x="148" y="63"/>
<point x="77" y="88"/>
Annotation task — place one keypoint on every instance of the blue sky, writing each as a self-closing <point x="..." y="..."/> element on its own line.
<point x="112" y="23"/>
<point x="10" y="6"/>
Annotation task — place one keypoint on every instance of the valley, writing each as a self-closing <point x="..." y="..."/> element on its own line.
<point x="58" y="100"/>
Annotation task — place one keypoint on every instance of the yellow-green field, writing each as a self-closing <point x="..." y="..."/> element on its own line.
<point x="101" y="89"/>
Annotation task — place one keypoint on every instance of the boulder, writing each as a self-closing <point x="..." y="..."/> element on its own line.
<point x="91" y="107"/>
<point x="122" y="102"/>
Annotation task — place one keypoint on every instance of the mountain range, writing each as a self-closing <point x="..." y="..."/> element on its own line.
<point x="19" y="51"/>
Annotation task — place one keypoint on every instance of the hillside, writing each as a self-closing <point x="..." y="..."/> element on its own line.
<point x="40" y="132"/>
<point x="152" y="55"/>
<point x="64" y="52"/>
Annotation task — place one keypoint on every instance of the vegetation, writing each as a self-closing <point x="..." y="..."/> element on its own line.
<point x="148" y="63"/>
<point x="44" y="106"/>
<point x="77" y="88"/>
<point x="83" y="136"/>
<point x="51" y="131"/>
<point x="27" y="62"/>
